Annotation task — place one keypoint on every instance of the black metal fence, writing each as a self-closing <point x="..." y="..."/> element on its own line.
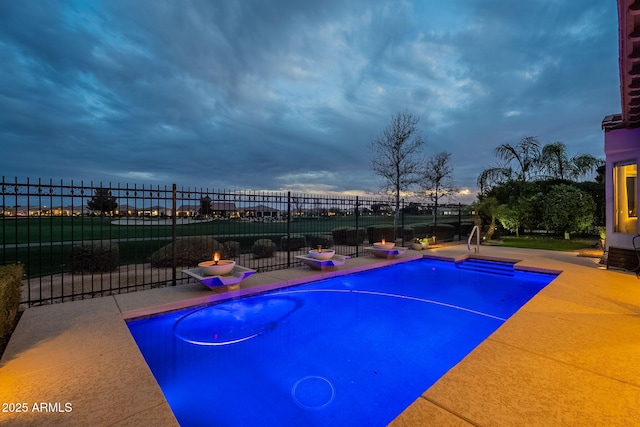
<point x="78" y="240"/>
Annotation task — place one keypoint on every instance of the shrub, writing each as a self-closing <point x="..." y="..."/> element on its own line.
<point x="355" y="236"/>
<point x="263" y="248"/>
<point x="466" y="227"/>
<point x="293" y="243"/>
<point x="231" y="249"/>
<point x="408" y="234"/>
<point x="348" y="236"/>
<point x="189" y="252"/>
<point x="422" y="230"/>
<point x="444" y="232"/>
<point x="378" y="232"/>
<point x="339" y="236"/>
<point x="10" y="283"/>
<point x="94" y="257"/>
<point x="325" y="240"/>
<point x="568" y="209"/>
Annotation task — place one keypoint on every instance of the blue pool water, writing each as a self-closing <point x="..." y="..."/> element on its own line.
<point x="352" y="350"/>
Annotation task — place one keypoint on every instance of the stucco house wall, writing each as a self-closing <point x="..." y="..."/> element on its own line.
<point x="620" y="146"/>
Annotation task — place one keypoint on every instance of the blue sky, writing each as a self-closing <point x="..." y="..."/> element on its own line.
<point x="287" y="94"/>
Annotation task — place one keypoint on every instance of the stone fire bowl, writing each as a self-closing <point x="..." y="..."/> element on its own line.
<point x="222" y="268"/>
<point x="385" y="246"/>
<point x="325" y="254"/>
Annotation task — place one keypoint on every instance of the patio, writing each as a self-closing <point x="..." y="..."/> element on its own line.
<point x="571" y="356"/>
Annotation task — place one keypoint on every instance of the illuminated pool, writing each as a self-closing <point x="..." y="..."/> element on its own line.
<point x="351" y="350"/>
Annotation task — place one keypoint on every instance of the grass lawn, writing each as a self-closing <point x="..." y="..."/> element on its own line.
<point x="43" y="244"/>
<point x="65" y="229"/>
<point x="550" y="243"/>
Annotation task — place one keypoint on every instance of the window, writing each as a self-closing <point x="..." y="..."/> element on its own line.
<point x="625" y="191"/>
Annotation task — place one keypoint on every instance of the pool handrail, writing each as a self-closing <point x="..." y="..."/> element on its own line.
<point x="476" y="231"/>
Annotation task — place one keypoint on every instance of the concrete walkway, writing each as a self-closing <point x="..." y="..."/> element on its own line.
<point x="569" y="357"/>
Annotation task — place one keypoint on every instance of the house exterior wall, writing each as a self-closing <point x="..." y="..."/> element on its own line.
<point x="620" y="145"/>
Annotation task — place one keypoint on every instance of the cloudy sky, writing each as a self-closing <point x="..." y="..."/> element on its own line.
<point x="288" y="94"/>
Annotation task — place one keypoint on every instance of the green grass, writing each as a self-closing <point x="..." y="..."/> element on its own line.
<point x="549" y="243"/>
<point x="65" y="229"/>
<point x="44" y="255"/>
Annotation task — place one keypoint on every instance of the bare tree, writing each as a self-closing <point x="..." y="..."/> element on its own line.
<point x="396" y="155"/>
<point x="297" y="203"/>
<point x="437" y="182"/>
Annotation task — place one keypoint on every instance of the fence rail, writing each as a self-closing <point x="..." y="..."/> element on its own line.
<point x="80" y="240"/>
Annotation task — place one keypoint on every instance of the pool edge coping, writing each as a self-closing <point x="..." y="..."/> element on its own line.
<point x="140" y="313"/>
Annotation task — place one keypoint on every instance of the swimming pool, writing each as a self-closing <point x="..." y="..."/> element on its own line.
<point x="351" y="350"/>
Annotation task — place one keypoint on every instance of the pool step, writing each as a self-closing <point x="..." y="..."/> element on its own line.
<point x="494" y="267"/>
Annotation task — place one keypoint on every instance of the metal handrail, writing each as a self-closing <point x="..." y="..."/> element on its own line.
<point x="476" y="230"/>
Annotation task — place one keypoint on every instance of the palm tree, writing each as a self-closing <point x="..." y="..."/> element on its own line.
<point x="489" y="208"/>
<point x="555" y="161"/>
<point x="519" y="163"/>
<point x="585" y="164"/>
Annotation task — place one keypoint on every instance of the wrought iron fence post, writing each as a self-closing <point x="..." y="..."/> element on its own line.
<point x="459" y="222"/>
<point x="174" y="233"/>
<point x="288" y="229"/>
<point x="357" y="213"/>
<point x="402" y="223"/>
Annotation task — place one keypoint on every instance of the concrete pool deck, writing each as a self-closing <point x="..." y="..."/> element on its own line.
<point x="569" y="357"/>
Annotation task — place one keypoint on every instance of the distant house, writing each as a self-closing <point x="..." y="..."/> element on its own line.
<point x="151" y="211"/>
<point x="447" y="210"/>
<point x="158" y="210"/>
<point x="261" y="211"/>
<point x="36" y="211"/>
<point x="224" y="209"/>
<point x="622" y="136"/>
<point x="44" y="211"/>
<point x="125" y="210"/>
<point x="13" y="211"/>
<point x="69" y="210"/>
<point x="218" y="209"/>
<point x="381" y="209"/>
<point x="187" y="210"/>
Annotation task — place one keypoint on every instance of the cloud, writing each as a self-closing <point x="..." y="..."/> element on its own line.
<point x="287" y="94"/>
